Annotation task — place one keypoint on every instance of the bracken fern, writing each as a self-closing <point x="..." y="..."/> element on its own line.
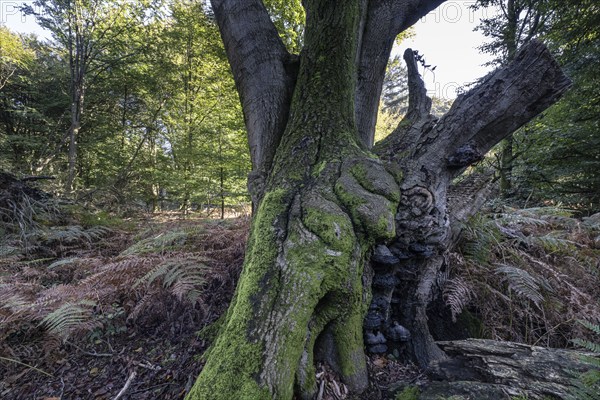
<point x="587" y="386"/>
<point x="528" y="275"/>
<point x="183" y="277"/>
<point x="69" y="317"/>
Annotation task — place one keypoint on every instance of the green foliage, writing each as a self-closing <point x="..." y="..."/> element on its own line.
<point x="67" y="317"/>
<point x="527" y="275"/>
<point x="161" y="126"/>
<point x="162" y="242"/>
<point x="409" y="393"/>
<point x="511" y="24"/>
<point x="553" y="158"/>
<point x="182" y="277"/>
<point x="14" y="55"/>
<point x="587" y="386"/>
<point x="289" y="19"/>
<point x="521" y="282"/>
<point x="32" y="105"/>
<point x="90" y="219"/>
<point x="394" y="94"/>
<point x="74" y="233"/>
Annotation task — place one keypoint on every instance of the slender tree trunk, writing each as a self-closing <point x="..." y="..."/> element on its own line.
<point x="78" y="66"/>
<point x="73" y="135"/>
<point x="513" y="37"/>
<point x="222" y="191"/>
<point x="506" y="166"/>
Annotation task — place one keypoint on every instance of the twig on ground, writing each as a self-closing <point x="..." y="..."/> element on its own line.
<point x="127" y="384"/>
<point x="27" y="365"/>
<point x="147" y="366"/>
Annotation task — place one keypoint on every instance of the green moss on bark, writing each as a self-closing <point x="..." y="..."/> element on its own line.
<point x="306" y="252"/>
<point x="373" y="213"/>
<point x="236" y="356"/>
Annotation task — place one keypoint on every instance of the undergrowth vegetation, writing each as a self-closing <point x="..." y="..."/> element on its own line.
<point x="71" y="285"/>
<point x="529" y="275"/>
<point x="587" y="386"/>
<point x="68" y="284"/>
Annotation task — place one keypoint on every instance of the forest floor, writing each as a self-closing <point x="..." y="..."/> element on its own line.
<point x="87" y="312"/>
<point x="98" y="308"/>
<point x="87" y="309"/>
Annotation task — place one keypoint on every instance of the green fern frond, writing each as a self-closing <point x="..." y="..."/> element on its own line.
<point x="587" y="386"/>
<point x="68" y="234"/>
<point x="520" y="219"/>
<point x="457" y="293"/>
<point x="66" y="318"/>
<point x="160" y="243"/>
<point x="551" y="243"/>
<point x="7" y="250"/>
<point x="14" y="302"/>
<point x="98" y="232"/>
<point x="183" y="277"/>
<point x="521" y="282"/>
<point x="152" y="275"/>
<point x="481" y="236"/>
<point x="591" y="378"/>
<point x="64" y="261"/>
<point x="591" y="326"/>
<point x="591" y="346"/>
<point x="545" y="211"/>
<point x="592" y="223"/>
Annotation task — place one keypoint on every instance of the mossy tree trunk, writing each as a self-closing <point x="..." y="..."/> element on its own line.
<point x="324" y="198"/>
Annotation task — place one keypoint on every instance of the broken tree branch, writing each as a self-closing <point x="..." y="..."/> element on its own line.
<point x="384" y="21"/>
<point x="502" y="103"/>
<point x="126" y="386"/>
<point x="417" y="117"/>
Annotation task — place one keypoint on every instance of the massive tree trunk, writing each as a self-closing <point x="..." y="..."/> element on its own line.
<point x="325" y="200"/>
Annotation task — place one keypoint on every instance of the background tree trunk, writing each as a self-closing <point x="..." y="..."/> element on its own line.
<point x="506" y="166"/>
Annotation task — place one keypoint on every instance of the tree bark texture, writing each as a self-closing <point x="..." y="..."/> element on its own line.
<point x="327" y="203"/>
<point x="487" y="369"/>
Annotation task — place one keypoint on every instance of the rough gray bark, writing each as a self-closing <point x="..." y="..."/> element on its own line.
<point x="487" y="369"/>
<point x="466" y="198"/>
<point x="78" y="64"/>
<point x="429" y="154"/>
<point x="264" y="73"/>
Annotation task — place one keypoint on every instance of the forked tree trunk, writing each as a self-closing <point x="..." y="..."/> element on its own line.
<point x="320" y="212"/>
<point x="325" y="199"/>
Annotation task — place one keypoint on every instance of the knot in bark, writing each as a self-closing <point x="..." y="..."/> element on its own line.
<point x="370" y="194"/>
<point x="464" y="156"/>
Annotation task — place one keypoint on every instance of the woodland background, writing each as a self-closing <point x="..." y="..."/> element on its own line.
<point x="123" y="148"/>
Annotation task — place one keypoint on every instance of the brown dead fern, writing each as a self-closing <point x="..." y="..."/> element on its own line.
<point x="190" y="272"/>
<point x="528" y="275"/>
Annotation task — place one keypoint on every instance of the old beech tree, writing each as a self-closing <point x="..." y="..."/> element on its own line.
<point x="342" y="225"/>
